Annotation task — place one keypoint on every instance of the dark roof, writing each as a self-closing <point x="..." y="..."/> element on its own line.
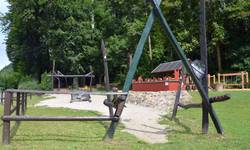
<point x="169" y="66"/>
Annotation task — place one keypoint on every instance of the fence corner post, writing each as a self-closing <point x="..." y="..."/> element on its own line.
<point x="6" y="123"/>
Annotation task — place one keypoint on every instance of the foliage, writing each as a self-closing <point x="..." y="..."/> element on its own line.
<point x="69" y="32"/>
<point x="9" y="78"/>
<point x="46" y="81"/>
<point x="28" y="83"/>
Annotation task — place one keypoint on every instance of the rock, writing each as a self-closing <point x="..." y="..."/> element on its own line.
<point x="163" y="100"/>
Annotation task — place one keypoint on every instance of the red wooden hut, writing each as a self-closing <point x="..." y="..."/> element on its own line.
<point x="169" y="82"/>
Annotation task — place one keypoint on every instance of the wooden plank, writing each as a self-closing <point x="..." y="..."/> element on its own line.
<point x="60" y="92"/>
<point x="57" y="118"/>
<point x="6" y="123"/>
<point x="71" y="76"/>
<point x="182" y="56"/>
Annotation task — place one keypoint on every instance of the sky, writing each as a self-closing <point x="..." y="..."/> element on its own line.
<point x="3" y="56"/>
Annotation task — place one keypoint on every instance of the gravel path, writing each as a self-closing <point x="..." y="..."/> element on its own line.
<point x="138" y="120"/>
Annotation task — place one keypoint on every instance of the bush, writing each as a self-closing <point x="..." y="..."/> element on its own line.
<point x="28" y="83"/>
<point x="46" y="81"/>
<point x="9" y="78"/>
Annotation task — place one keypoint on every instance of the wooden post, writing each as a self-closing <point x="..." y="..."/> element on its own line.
<point x="6" y="124"/>
<point x="209" y="80"/>
<point x="18" y="104"/>
<point x="52" y="73"/>
<point x="25" y="100"/>
<point x="1" y="96"/>
<point x="247" y="80"/>
<point x="219" y="78"/>
<point x="177" y="97"/>
<point x="23" y="103"/>
<point x="224" y="79"/>
<point x="242" y="80"/>
<point x="214" y="78"/>
<point x="106" y="75"/>
<point x="203" y="53"/>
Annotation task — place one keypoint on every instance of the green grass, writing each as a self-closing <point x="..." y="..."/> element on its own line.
<point x="184" y="133"/>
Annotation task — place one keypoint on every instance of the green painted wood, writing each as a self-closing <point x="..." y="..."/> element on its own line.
<point x="139" y="50"/>
<point x="182" y="56"/>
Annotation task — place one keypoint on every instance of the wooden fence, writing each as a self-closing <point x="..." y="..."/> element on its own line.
<point x="230" y="80"/>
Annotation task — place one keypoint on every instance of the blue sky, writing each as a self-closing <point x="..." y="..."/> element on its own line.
<point x="3" y="56"/>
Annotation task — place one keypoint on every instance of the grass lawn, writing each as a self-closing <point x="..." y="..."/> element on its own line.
<point x="184" y="133"/>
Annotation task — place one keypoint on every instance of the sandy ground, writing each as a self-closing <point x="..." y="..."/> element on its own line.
<point x="139" y="121"/>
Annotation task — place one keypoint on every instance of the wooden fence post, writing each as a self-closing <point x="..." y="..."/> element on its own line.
<point x="18" y="104"/>
<point x="25" y="100"/>
<point x="242" y="80"/>
<point x="208" y="79"/>
<point x="2" y="96"/>
<point x="6" y="124"/>
<point x="224" y="79"/>
<point x="247" y="80"/>
<point x="23" y="103"/>
<point x="214" y="78"/>
<point x="219" y="78"/>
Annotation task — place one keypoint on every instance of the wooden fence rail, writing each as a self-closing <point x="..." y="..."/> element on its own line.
<point x="239" y="80"/>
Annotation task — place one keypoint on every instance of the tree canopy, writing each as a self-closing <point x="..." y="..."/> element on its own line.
<point x="69" y="32"/>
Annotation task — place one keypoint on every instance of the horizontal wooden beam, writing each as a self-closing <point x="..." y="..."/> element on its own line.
<point x="72" y="76"/>
<point x="62" y="92"/>
<point x="57" y="118"/>
<point x="211" y="100"/>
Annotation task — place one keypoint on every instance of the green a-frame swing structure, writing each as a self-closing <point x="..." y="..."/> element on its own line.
<point x="157" y="13"/>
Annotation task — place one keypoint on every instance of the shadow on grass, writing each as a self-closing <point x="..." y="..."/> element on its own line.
<point x="187" y="129"/>
<point x="57" y="137"/>
<point x="14" y="129"/>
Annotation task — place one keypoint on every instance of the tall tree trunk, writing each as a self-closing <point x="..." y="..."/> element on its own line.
<point x="130" y="59"/>
<point x="93" y="17"/>
<point x="150" y="47"/>
<point x="218" y="54"/>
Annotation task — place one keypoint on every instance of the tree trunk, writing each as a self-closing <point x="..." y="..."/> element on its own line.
<point x="218" y="53"/>
<point x="130" y="59"/>
<point x="150" y="47"/>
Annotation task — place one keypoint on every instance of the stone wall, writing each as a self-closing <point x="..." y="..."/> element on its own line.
<point x="163" y="101"/>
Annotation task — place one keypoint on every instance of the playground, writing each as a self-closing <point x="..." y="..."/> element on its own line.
<point x="184" y="132"/>
<point x="75" y="97"/>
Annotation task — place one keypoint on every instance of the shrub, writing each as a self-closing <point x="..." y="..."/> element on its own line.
<point x="46" y="81"/>
<point x="28" y="83"/>
<point x="9" y="78"/>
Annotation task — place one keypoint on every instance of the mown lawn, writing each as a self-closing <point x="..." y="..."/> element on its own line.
<point x="184" y="133"/>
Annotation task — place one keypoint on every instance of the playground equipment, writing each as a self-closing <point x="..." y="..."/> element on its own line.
<point x="75" y="96"/>
<point x="21" y="102"/>
<point x="169" y="82"/>
<point x="230" y="80"/>
<point x="119" y="97"/>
